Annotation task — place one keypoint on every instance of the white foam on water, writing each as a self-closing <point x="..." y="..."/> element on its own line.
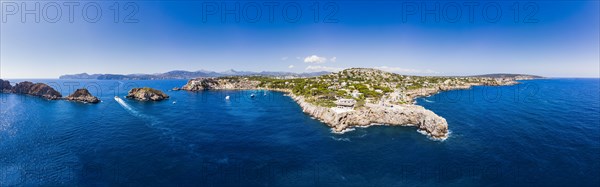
<point x="429" y="101"/>
<point x="341" y="139"/>
<point x="343" y="131"/>
<point x="432" y="138"/>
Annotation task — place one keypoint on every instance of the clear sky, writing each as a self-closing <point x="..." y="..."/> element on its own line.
<point x="548" y="38"/>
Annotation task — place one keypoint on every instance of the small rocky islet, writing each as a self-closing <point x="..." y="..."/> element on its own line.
<point x="146" y="94"/>
<point x="82" y="95"/>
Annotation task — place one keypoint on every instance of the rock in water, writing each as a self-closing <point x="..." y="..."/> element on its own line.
<point x="146" y="94"/>
<point x="37" y="89"/>
<point x="83" y="95"/>
<point x="5" y="86"/>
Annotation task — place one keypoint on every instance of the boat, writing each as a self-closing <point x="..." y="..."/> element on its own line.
<point x="226" y="97"/>
<point x="252" y="95"/>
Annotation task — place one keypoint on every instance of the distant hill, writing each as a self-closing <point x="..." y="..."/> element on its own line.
<point x="180" y="74"/>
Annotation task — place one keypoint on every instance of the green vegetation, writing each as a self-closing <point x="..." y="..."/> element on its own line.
<point x="373" y="85"/>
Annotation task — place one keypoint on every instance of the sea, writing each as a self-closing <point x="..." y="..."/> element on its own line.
<point x="542" y="132"/>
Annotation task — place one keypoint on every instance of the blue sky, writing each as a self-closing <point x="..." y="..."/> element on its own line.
<point x="549" y="38"/>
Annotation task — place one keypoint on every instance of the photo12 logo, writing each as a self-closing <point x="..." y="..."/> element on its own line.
<point x="69" y="11"/>
<point x="469" y="12"/>
<point x="270" y="12"/>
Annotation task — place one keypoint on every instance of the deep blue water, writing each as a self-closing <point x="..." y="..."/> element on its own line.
<point x="542" y="132"/>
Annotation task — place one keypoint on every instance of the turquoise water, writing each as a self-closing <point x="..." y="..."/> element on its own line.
<point x="542" y="132"/>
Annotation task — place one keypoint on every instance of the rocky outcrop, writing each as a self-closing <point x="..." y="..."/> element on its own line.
<point x="82" y="95"/>
<point x="146" y="94"/>
<point x="37" y="89"/>
<point x="200" y="84"/>
<point x="5" y="86"/>
<point x="409" y="115"/>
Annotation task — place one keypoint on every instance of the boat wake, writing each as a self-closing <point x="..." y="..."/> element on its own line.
<point x="134" y="112"/>
<point x="151" y="121"/>
<point x="127" y="107"/>
<point x="428" y="101"/>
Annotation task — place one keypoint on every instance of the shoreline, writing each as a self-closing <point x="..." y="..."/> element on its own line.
<point x="413" y="115"/>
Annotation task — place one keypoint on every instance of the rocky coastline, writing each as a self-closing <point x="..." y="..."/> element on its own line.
<point x="398" y="110"/>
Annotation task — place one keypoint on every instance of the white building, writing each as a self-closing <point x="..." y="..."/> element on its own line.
<point x="345" y="103"/>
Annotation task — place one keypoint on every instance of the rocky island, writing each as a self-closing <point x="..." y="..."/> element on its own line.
<point x="360" y="96"/>
<point x="146" y="94"/>
<point x="82" y="95"/>
<point x="29" y="88"/>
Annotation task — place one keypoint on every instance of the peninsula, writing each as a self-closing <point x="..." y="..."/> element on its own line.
<point x="361" y="96"/>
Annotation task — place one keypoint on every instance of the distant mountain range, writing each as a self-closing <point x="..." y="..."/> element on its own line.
<point x="180" y="74"/>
